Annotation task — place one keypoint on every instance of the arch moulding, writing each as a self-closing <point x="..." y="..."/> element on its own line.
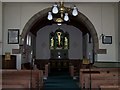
<point x="80" y="18"/>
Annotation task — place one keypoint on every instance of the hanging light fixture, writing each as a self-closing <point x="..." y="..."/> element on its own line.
<point x="66" y="18"/>
<point x="50" y="17"/>
<point x="62" y="11"/>
<point x="55" y="9"/>
<point x="74" y="12"/>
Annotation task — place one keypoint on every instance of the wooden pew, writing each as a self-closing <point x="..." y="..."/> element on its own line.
<point x="26" y="78"/>
<point x="71" y="70"/>
<point x="43" y="64"/>
<point x="10" y="87"/>
<point x="16" y="82"/>
<point x="0" y="79"/>
<point x="109" y="87"/>
<point x="46" y="70"/>
<point x="100" y="79"/>
<point x="96" y="83"/>
<point x="98" y="76"/>
<point x="82" y="77"/>
<point x="74" y="66"/>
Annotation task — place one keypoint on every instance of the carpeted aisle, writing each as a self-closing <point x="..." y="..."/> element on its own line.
<point x="60" y="81"/>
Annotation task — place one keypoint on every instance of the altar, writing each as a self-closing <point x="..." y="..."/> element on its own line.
<point x="59" y="64"/>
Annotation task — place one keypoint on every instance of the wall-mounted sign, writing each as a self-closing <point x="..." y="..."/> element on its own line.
<point x="13" y="36"/>
<point x="107" y="39"/>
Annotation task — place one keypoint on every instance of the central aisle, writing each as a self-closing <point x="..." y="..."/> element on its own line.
<point x="60" y="81"/>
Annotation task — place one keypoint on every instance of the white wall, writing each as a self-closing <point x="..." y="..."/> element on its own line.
<point x="75" y="43"/>
<point x="58" y="1"/>
<point x="109" y="26"/>
<point x="119" y="32"/>
<point x="0" y="43"/>
<point x="1" y="28"/>
<point x="104" y="18"/>
<point x="116" y="21"/>
<point x="102" y="15"/>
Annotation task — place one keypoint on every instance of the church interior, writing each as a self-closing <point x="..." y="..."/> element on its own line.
<point x="59" y="45"/>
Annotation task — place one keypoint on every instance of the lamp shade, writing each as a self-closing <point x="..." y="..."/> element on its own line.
<point x="74" y="12"/>
<point x="50" y="17"/>
<point x="55" y="9"/>
<point x="66" y="18"/>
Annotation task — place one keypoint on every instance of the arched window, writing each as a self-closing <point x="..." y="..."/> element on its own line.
<point x="28" y="40"/>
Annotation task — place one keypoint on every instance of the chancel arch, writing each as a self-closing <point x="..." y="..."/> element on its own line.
<point x="39" y="20"/>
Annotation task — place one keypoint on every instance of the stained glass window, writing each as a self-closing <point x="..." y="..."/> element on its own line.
<point x="59" y="40"/>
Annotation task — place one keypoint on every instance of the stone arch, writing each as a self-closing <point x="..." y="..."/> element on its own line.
<point x="80" y="18"/>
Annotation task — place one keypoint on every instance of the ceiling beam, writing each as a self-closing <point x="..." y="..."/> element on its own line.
<point x="59" y="0"/>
